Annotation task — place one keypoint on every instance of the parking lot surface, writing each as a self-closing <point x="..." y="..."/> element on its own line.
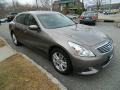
<point x="107" y="79"/>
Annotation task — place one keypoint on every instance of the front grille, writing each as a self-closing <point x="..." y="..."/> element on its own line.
<point x="105" y="48"/>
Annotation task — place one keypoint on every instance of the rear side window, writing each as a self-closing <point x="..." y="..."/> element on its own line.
<point x="20" y="19"/>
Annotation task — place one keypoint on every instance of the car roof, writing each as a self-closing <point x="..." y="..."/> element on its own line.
<point x="40" y="12"/>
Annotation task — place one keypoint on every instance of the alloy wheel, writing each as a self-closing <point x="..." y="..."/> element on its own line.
<point x="59" y="61"/>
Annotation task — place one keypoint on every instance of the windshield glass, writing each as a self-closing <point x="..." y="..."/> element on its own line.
<point x="54" y="20"/>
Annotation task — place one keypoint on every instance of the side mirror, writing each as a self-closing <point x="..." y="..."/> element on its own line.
<point x="33" y="27"/>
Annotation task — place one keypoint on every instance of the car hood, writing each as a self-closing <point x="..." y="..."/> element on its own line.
<point x="81" y="34"/>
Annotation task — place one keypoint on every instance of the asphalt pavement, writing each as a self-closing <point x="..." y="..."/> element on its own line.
<point x="107" y="79"/>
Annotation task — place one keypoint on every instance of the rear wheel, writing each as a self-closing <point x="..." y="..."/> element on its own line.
<point x="80" y="22"/>
<point x="61" y="61"/>
<point x="14" y="39"/>
<point x="94" y="23"/>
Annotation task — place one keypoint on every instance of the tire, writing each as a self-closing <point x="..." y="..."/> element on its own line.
<point x="58" y="56"/>
<point x="80" y="22"/>
<point x="14" y="39"/>
<point x="94" y="23"/>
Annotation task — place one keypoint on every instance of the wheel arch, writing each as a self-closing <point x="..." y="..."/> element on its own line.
<point x="57" y="46"/>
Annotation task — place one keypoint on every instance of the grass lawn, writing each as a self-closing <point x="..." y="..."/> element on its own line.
<point x="17" y="73"/>
<point x="2" y="43"/>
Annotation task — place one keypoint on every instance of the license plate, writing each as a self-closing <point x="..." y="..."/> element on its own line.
<point x="87" y="18"/>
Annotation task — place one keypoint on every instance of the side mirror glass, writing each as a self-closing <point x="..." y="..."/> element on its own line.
<point x="33" y="27"/>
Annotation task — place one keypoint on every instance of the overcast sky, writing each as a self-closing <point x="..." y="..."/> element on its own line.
<point x="88" y="2"/>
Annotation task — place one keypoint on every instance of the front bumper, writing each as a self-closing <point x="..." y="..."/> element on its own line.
<point x="91" y="65"/>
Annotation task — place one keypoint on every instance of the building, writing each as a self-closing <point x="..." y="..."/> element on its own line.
<point x="105" y="7"/>
<point x="71" y="5"/>
<point x="56" y="6"/>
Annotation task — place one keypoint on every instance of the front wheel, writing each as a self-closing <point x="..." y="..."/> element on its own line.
<point x="61" y="61"/>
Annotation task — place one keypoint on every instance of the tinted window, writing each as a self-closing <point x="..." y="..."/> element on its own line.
<point x="20" y="18"/>
<point x="54" y="20"/>
<point x="26" y="21"/>
<point x="31" y="21"/>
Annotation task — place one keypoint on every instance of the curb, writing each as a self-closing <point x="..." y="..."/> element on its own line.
<point x="6" y="44"/>
<point x="50" y="76"/>
<point x="6" y="51"/>
<point x="117" y="24"/>
<point x="105" y="20"/>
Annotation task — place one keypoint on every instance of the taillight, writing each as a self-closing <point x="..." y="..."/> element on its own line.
<point x="81" y="17"/>
<point x="94" y="18"/>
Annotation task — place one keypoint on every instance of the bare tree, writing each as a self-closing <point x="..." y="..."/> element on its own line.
<point x="110" y="6"/>
<point x="2" y="8"/>
<point x="2" y="4"/>
<point x="37" y="3"/>
<point x="51" y="5"/>
<point x="45" y="3"/>
<point x="13" y="5"/>
<point x="82" y="4"/>
<point x="98" y="4"/>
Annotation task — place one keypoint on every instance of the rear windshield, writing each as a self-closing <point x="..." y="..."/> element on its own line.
<point x="89" y="14"/>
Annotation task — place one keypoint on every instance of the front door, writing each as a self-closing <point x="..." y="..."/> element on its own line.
<point x="33" y="38"/>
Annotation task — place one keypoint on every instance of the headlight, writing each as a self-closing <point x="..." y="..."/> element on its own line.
<point x="80" y="51"/>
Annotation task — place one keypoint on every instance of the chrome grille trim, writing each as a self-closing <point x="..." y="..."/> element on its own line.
<point x="105" y="48"/>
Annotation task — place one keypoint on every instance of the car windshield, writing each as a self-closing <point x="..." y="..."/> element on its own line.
<point x="56" y="20"/>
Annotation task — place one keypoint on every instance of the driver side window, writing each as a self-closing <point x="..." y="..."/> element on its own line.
<point x="32" y="21"/>
<point x="29" y="20"/>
